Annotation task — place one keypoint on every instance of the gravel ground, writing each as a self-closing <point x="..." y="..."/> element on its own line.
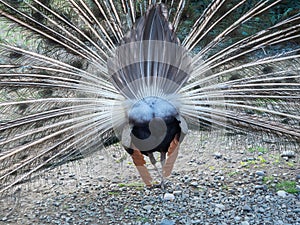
<point x="241" y="186"/>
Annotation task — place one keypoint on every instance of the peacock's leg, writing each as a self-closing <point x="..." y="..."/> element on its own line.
<point x="153" y="162"/>
<point x="152" y="159"/>
<point x="172" y="156"/>
<point x="139" y="162"/>
<point x="162" y="161"/>
<point x="162" y="158"/>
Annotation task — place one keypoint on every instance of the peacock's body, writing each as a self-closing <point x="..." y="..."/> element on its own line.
<point x="76" y="74"/>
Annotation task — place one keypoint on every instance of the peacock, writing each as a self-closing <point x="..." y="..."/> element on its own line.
<point x="78" y="75"/>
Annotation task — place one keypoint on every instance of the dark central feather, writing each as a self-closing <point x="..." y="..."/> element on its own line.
<point x="150" y="58"/>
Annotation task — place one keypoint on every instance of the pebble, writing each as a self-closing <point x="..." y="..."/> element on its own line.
<point x="218" y="155"/>
<point x="288" y="154"/>
<point x="177" y="192"/>
<point x="220" y="206"/>
<point x="167" y="222"/>
<point x="217" y="211"/>
<point x="260" y="173"/>
<point x="261" y="210"/>
<point x="169" y="197"/>
<point x="237" y="218"/>
<point x="101" y="157"/>
<point x="260" y="187"/>
<point x="196" y="221"/>
<point x="245" y="223"/>
<point x="247" y="208"/>
<point x="194" y="184"/>
<point x="282" y="194"/>
<point x="148" y="207"/>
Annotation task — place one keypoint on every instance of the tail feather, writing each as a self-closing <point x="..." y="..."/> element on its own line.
<point x="145" y="64"/>
<point x="253" y="75"/>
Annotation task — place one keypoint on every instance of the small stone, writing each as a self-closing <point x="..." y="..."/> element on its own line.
<point x="68" y="219"/>
<point x="281" y="194"/>
<point x="288" y="154"/>
<point x="220" y="206"/>
<point x="148" y="207"/>
<point x="194" y="184"/>
<point x="169" y="197"/>
<point x="217" y="211"/>
<point x="177" y="192"/>
<point x="56" y="204"/>
<point x="73" y="209"/>
<point x="89" y="220"/>
<point x="247" y="208"/>
<point x="260" y="173"/>
<point x="107" y="210"/>
<point x="261" y="210"/>
<point x="261" y="187"/>
<point x="237" y="218"/>
<point x="258" y="187"/>
<point x="296" y="210"/>
<point x="167" y="212"/>
<point x="245" y="223"/>
<point x="218" y="155"/>
<point x="167" y="222"/>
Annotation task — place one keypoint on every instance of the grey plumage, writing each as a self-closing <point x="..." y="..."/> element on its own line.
<point x="66" y="87"/>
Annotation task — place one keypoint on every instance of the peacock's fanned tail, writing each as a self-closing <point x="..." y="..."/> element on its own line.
<point x="58" y="97"/>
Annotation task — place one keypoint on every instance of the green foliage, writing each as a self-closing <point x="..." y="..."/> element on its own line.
<point x="233" y="173"/>
<point x="113" y="193"/>
<point x="268" y="179"/>
<point x="288" y="186"/>
<point x="276" y="159"/>
<point x="258" y="149"/>
<point x="143" y="219"/>
<point x="290" y="164"/>
<point x="134" y="184"/>
<point x="211" y="168"/>
<point x="261" y="159"/>
<point x="259" y="162"/>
